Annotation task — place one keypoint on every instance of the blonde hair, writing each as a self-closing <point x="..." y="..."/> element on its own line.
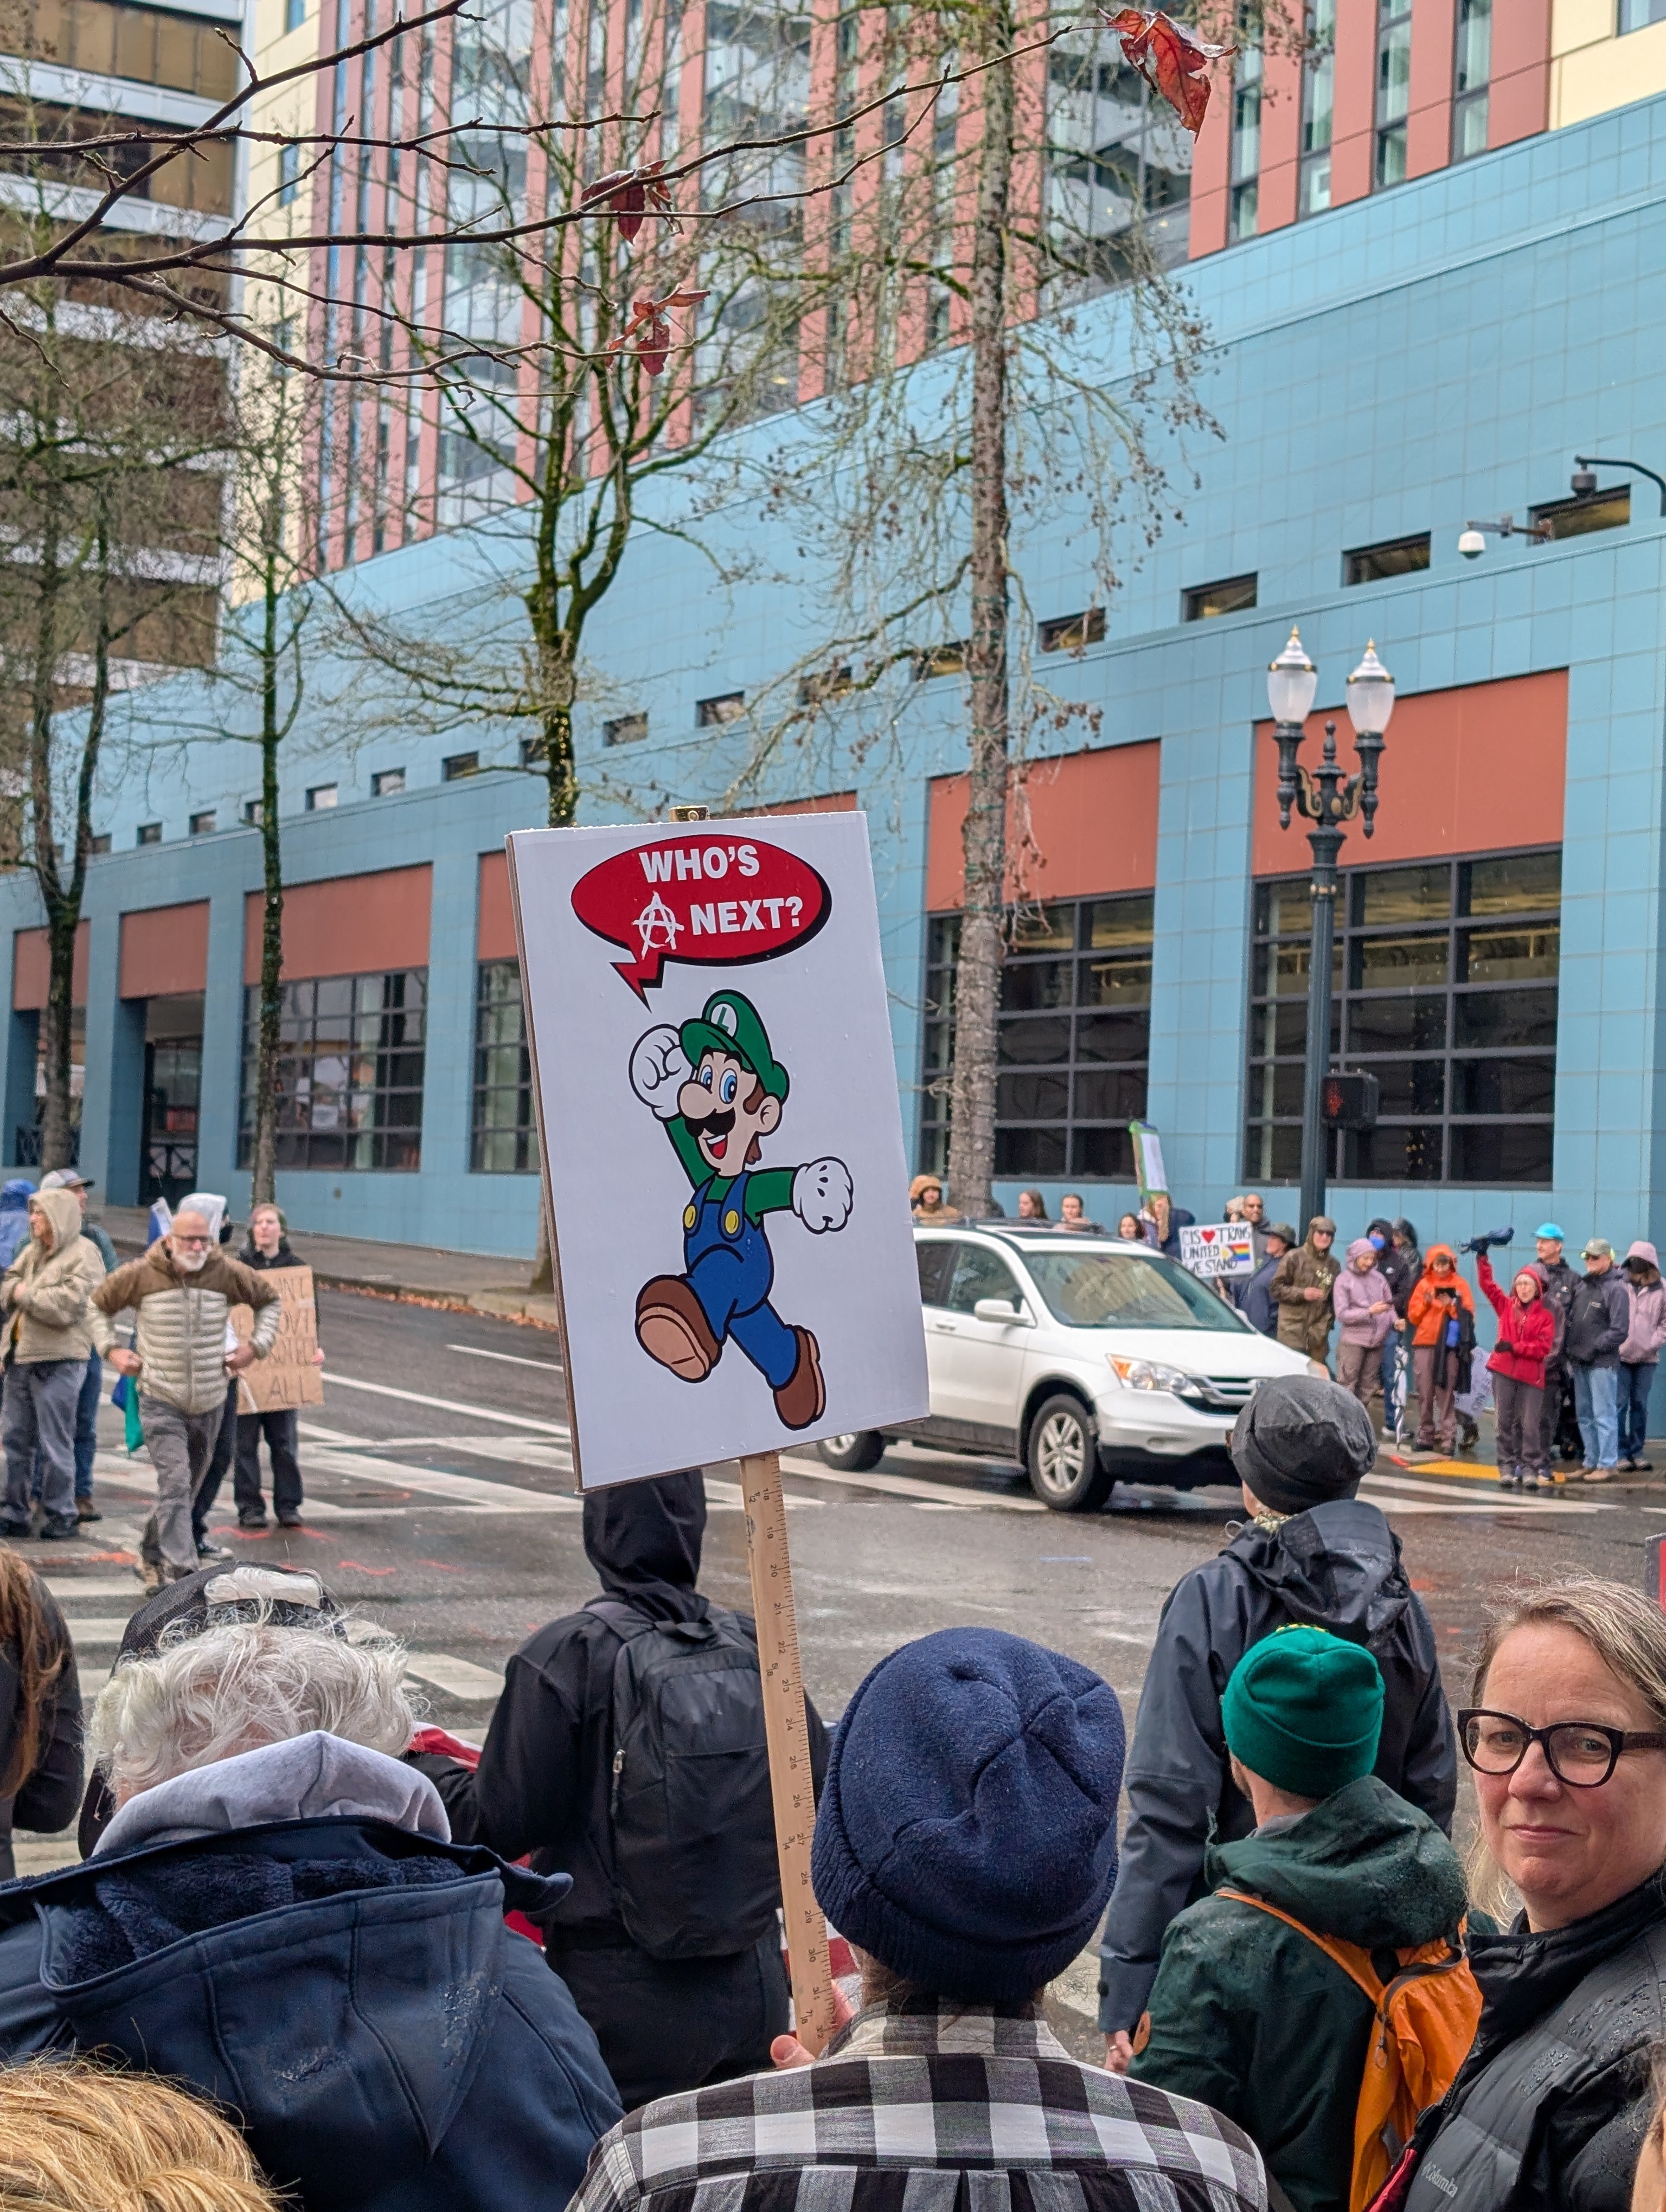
<point x="1626" y="1630"/>
<point x="80" y="2138"/>
<point x="207" y="1697"/>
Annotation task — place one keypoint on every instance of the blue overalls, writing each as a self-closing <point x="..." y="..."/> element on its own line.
<point x="730" y="1267"/>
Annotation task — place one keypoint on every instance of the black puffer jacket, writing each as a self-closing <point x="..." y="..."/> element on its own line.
<point x="1548" y="2112"/>
<point x="1336" y="1567"/>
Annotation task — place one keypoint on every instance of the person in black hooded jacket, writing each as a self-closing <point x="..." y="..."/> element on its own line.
<point x="1316" y="1554"/>
<point x="544" y="1786"/>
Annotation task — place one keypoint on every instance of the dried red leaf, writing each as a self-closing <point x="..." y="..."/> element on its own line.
<point x="648" y="333"/>
<point x="628" y="194"/>
<point x="1174" y="64"/>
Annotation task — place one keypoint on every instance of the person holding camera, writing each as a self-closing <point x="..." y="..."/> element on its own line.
<point x="1527" y="1333"/>
<point x="1441" y="1316"/>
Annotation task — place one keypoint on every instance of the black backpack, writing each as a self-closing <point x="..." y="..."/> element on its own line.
<point x="694" y="1873"/>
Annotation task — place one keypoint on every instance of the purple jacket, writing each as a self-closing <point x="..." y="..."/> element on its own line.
<point x="1354" y="1293"/>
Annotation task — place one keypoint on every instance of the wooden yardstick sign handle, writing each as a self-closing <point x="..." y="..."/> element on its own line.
<point x="788" y="1736"/>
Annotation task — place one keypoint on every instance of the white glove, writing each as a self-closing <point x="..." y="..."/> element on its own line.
<point x="821" y="1196"/>
<point x="658" y="1069"/>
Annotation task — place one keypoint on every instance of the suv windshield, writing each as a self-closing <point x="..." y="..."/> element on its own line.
<point x="1120" y="1290"/>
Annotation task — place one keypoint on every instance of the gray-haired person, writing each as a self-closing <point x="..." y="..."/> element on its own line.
<point x="276" y="1916"/>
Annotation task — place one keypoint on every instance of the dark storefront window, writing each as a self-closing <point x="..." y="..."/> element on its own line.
<point x="1074" y="1036"/>
<point x="1445" y="983"/>
<point x="349" y="1074"/>
<point x="503" y="1137"/>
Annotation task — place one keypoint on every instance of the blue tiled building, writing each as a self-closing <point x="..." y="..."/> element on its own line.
<point x="1409" y="362"/>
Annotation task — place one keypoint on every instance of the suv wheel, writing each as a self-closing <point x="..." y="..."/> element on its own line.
<point x="854" y="1453"/>
<point x="1063" y="1458"/>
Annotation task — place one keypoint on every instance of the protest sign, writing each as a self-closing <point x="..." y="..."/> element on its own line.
<point x="287" y="1377"/>
<point x="722" y="1138"/>
<point x="1223" y="1248"/>
<point x="1148" y="1160"/>
<point x="728" y="1193"/>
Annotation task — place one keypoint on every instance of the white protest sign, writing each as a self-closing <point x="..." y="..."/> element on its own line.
<point x="722" y="1138"/>
<point x="1223" y="1248"/>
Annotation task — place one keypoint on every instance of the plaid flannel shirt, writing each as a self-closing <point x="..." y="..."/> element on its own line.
<point x="925" y="2106"/>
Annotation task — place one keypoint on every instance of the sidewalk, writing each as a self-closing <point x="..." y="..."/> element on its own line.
<point x="467" y="1280"/>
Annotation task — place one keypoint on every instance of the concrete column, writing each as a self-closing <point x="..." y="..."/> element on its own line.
<point x="98" y="1159"/>
<point x="125" y="1124"/>
<point x="223" y="1050"/>
<point x="448" y="1062"/>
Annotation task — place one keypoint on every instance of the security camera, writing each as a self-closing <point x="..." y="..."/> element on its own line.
<point x="1582" y="482"/>
<point x="1471" y="544"/>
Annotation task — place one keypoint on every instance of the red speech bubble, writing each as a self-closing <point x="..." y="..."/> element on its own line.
<point x="708" y="899"/>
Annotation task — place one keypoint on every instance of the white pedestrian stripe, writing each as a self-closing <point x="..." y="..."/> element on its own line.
<point x="335" y="1380"/>
<point x="458" y="1678"/>
<point x="63" y="1586"/>
<point x="433" y="1482"/>
<point x="510" y="1359"/>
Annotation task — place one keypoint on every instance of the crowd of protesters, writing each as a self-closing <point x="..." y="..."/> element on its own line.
<point x="61" y="1291"/>
<point x="299" y="1962"/>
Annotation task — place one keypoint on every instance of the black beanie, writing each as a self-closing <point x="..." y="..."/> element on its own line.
<point x="1302" y="1440"/>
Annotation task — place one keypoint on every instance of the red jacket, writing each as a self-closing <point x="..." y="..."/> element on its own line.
<point x="1526" y="1334"/>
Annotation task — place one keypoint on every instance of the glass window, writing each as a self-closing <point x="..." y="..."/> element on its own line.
<point x="1120" y="1290"/>
<point x="1578" y="517"/>
<point x="1472" y="69"/>
<point x="1245" y="154"/>
<point x="288" y="175"/>
<point x="979" y="1273"/>
<point x="1636" y="15"/>
<point x="1394" y="89"/>
<point x="350" y="1075"/>
<point x="1072" y="1037"/>
<point x="1455" y="1015"/>
<point x="1119" y="169"/>
<point x="935" y="1261"/>
<point x="1318" y="109"/>
<point x="503" y="1134"/>
<point x="1399" y="556"/>
<point x="1203" y="602"/>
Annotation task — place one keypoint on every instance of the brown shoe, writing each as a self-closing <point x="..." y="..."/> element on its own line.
<point x="672" y="1328"/>
<point x="86" y="1510"/>
<point x="802" y="1398"/>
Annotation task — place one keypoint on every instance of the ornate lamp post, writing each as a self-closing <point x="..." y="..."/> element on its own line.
<point x="1326" y="798"/>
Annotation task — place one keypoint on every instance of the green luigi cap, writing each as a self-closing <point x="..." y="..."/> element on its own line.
<point x="1304" y="1710"/>
<point x="730" y="1023"/>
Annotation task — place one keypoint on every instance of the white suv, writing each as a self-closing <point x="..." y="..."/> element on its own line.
<point x="1088" y="1359"/>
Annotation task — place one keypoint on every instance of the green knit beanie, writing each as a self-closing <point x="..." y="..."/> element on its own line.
<point x="1304" y="1710"/>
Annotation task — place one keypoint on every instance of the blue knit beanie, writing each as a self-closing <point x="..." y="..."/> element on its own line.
<point x="966" y="1836"/>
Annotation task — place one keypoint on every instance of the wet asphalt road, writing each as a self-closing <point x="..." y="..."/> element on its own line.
<point x="440" y="1503"/>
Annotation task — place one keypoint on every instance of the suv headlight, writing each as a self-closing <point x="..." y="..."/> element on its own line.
<point x="1150" y="1375"/>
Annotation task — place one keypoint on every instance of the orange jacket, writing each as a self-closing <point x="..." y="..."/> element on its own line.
<point x="1424" y="1310"/>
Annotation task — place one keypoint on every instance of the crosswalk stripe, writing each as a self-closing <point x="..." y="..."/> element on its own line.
<point x="458" y="1678"/>
<point x="335" y="1379"/>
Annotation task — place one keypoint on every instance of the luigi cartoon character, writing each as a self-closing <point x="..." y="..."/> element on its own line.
<point x="719" y="1090"/>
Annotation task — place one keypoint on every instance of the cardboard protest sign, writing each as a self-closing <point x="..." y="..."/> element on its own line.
<point x="286" y="1378"/>
<point x="722" y="1138"/>
<point x="1223" y="1248"/>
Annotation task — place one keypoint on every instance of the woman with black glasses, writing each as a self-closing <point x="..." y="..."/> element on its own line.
<point x="1566" y="1738"/>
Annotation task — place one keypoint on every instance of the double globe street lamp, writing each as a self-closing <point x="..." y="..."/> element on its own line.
<point x="1326" y="798"/>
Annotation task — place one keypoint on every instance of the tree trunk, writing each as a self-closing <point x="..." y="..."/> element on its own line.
<point x="977" y="973"/>
<point x="265" y="1160"/>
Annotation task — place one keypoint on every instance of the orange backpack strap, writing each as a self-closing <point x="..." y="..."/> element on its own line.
<point x="1353" y="1960"/>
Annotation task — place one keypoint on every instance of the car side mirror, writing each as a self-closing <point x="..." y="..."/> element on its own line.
<point x="1003" y="1309"/>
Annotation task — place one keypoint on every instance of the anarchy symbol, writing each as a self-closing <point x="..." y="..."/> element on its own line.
<point x="658" y="926"/>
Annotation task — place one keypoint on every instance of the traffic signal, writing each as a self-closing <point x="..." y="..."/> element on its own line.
<point x="1350" y="1102"/>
